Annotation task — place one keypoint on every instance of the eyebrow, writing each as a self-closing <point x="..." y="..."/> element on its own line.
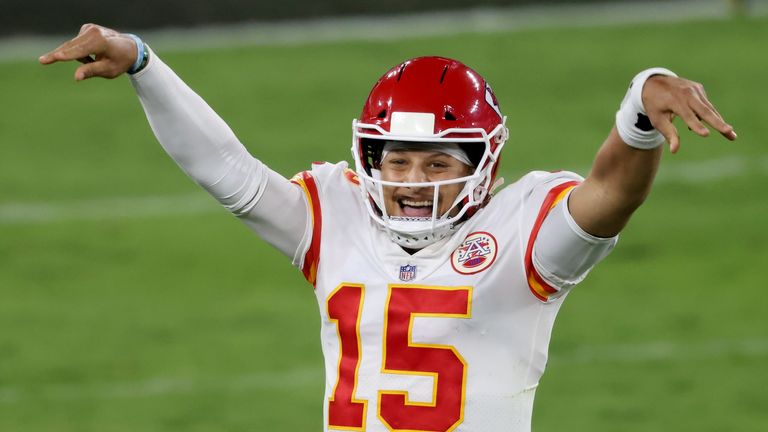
<point x="430" y="153"/>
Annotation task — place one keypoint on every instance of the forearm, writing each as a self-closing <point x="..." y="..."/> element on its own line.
<point x="188" y="129"/>
<point x="620" y="180"/>
<point x="207" y="150"/>
<point x="626" y="164"/>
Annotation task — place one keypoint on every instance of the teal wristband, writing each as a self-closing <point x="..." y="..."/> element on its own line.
<point x="142" y="55"/>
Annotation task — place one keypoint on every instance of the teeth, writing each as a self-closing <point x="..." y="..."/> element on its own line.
<point x="416" y="203"/>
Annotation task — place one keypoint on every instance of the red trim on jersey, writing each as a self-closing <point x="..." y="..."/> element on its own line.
<point x="539" y="287"/>
<point x="352" y="177"/>
<point x="312" y="257"/>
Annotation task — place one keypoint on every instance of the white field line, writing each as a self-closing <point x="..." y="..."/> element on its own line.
<point x="710" y="170"/>
<point x="104" y="209"/>
<point x="299" y="379"/>
<point x="665" y="351"/>
<point x="477" y="20"/>
<point x="263" y="381"/>
<point x="117" y="208"/>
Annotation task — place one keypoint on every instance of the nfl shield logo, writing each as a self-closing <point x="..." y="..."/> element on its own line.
<point x="407" y="273"/>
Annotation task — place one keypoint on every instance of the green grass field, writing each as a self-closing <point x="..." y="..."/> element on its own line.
<point x="185" y="321"/>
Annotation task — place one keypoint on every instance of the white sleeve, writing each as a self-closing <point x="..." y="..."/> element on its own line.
<point x="209" y="152"/>
<point x="563" y="253"/>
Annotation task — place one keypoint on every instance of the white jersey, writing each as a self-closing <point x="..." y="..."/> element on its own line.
<point x="452" y="338"/>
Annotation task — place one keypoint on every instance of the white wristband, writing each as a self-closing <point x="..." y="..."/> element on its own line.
<point x="632" y="122"/>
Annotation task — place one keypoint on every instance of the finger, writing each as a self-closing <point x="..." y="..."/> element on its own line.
<point x="730" y="135"/>
<point x="690" y="118"/>
<point x="71" y="50"/>
<point x="702" y="94"/>
<point x="48" y="58"/>
<point x="85" y="27"/>
<point x="81" y="49"/>
<point x="714" y="118"/>
<point x="84" y="44"/>
<point x="102" y="68"/>
<point x="663" y="123"/>
<point x="704" y="99"/>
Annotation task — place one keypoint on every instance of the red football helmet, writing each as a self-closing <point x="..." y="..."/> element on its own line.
<point x="429" y="100"/>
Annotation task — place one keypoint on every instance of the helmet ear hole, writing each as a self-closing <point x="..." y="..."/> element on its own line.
<point x="382" y="114"/>
<point x="371" y="154"/>
<point x="474" y="152"/>
<point x="449" y="116"/>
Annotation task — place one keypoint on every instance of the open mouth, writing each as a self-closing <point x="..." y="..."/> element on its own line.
<point x="412" y="208"/>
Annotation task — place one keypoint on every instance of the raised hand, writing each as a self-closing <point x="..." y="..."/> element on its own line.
<point x="665" y="97"/>
<point x="104" y="52"/>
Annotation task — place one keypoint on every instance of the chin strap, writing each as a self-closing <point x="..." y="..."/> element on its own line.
<point x="423" y="240"/>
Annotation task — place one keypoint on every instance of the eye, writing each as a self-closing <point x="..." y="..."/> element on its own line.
<point x="396" y="162"/>
<point x="438" y="164"/>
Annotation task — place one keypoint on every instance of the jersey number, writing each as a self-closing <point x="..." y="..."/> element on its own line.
<point x="401" y="356"/>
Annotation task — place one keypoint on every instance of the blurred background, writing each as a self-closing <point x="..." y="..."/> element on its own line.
<point x="49" y="16"/>
<point x="129" y="300"/>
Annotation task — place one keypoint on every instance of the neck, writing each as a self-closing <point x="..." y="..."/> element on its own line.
<point x="410" y="250"/>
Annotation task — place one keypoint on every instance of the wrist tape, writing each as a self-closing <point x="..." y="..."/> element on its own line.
<point x="632" y="122"/>
<point x="142" y="55"/>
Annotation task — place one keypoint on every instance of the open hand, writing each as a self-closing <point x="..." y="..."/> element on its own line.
<point x="664" y="97"/>
<point x="104" y="52"/>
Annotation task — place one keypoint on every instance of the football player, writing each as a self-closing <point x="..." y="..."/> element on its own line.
<point x="437" y="290"/>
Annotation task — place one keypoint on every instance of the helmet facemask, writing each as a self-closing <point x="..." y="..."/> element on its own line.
<point x="419" y="232"/>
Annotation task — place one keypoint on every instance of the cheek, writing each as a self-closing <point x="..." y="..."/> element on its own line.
<point x="388" y="191"/>
<point x="388" y="174"/>
<point x="389" y="198"/>
<point x="448" y="193"/>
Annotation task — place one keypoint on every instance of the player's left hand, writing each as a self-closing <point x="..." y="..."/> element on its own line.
<point x="665" y="97"/>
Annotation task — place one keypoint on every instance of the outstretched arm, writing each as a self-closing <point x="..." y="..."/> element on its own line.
<point x="622" y="175"/>
<point x="198" y="140"/>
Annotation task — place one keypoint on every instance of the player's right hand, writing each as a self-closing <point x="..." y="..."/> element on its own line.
<point x="104" y="52"/>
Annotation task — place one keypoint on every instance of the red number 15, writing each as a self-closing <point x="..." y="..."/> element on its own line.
<point x="401" y="356"/>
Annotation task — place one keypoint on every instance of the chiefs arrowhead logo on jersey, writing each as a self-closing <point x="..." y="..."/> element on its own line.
<point x="475" y="254"/>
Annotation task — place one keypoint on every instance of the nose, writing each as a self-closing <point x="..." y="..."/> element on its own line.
<point x="416" y="175"/>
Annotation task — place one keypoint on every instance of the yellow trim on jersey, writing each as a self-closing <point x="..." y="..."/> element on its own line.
<point x="560" y="197"/>
<point x="312" y="257"/>
<point x="532" y="282"/>
<point x="300" y="181"/>
<point x="359" y="352"/>
<point x="537" y="286"/>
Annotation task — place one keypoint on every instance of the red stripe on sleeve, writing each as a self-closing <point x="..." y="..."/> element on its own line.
<point x="312" y="257"/>
<point x="352" y="177"/>
<point x="538" y="286"/>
